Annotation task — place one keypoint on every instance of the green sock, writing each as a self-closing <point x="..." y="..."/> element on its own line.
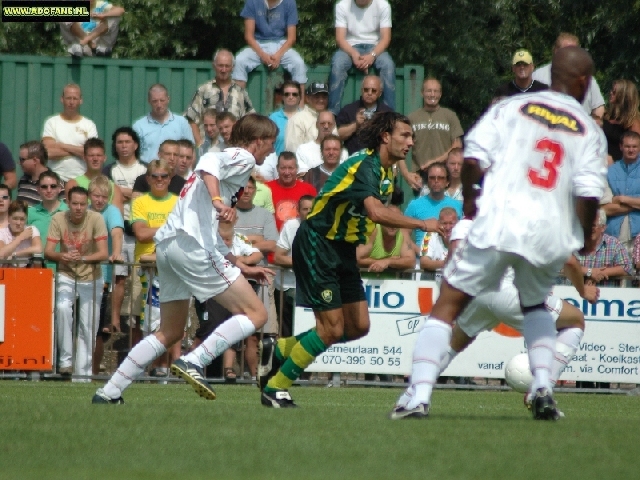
<point x="302" y="355"/>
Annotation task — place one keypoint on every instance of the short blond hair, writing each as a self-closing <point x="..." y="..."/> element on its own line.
<point x="102" y="184"/>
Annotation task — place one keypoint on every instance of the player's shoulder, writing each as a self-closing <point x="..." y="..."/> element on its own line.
<point x="556" y="111"/>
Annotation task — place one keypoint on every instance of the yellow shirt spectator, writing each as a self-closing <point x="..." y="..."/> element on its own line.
<point x="154" y="212"/>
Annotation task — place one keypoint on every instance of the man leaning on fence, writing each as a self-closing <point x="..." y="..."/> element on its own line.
<point x="82" y="236"/>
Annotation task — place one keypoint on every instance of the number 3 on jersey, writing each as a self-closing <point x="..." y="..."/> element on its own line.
<point x="547" y="177"/>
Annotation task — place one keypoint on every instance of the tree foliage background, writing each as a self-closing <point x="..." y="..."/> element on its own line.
<point x="465" y="43"/>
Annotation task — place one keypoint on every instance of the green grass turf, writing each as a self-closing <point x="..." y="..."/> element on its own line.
<point x="52" y="431"/>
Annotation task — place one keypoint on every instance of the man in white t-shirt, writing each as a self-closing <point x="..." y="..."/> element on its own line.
<point x="363" y="34"/>
<point x="308" y="154"/>
<point x="542" y="159"/>
<point x="191" y="262"/>
<point x="64" y="135"/>
<point x="593" y="102"/>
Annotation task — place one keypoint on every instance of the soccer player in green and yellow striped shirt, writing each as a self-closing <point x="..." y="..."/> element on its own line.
<point x="328" y="280"/>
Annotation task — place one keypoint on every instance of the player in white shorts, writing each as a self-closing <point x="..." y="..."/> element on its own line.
<point x="489" y="309"/>
<point x="191" y="261"/>
<point x="541" y="161"/>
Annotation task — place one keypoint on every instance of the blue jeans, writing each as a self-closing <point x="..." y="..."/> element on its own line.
<point x="341" y="63"/>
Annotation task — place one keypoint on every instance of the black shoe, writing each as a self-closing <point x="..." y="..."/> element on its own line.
<point x="544" y="406"/>
<point x="277" y="399"/>
<point x="269" y="362"/>
<point x="101" y="397"/>
<point x="399" y="412"/>
<point x="194" y="376"/>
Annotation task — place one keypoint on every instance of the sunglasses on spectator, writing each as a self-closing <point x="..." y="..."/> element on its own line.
<point x="49" y="186"/>
<point x="291" y="94"/>
<point x="4" y="197"/>
<point x="162" y="176"/>
<point x="433" y="177"/>
<point x="370" y="90"/>
<point x="24" y="159"/>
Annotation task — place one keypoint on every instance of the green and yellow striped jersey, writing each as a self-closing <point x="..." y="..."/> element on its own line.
<point x="338" y="211"/>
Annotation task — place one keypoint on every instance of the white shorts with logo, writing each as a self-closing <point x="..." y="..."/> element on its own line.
<point x="475" y="271"/>
<point x="186" y="269"/>
<point x="489" y="309"/>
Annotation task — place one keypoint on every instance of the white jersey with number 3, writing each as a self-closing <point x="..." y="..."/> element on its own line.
<point x="539" y="151"/>
<point x="194" y="213"/>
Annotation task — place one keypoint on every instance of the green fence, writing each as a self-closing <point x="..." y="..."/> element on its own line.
<point x="115" y="90"/>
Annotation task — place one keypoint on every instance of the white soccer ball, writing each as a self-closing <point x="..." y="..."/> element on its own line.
<point x="518" y="374"/>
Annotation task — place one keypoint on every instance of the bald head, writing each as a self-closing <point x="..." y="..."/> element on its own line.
<point x="571" y="71"/>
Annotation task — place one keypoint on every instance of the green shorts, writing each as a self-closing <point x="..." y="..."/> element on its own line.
<point x="327" y="273"/>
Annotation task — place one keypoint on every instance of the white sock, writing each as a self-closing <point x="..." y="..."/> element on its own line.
<point x="231" y="331"/>
<point x="406" y="397"/>
<point x="139" y="358"/>
<point x="540" y="336"/>
<point x="431" y="344"/>
<point x="446" y="359"/>
<point x="567" y="342"/>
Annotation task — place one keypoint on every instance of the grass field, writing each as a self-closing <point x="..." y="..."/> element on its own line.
<point x="52" y="431"/>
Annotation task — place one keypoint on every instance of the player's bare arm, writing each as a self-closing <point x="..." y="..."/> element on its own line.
<point x="213" y="186"/>
<point x="573" y="271"/>
<point x="262" y="275"/>
<point x="586" y="210"/>
<point x="378" y="213"/>
<point x="471" y="176"/>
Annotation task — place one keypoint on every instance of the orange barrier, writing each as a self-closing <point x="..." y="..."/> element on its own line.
<point x="26" y="319"/>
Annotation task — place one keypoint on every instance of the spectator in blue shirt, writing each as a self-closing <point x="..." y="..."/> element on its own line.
<point x="270" y="33"/>
<point x="430" y="205"/>
<point x="291" y="92"/>
<point x="160" y="124"/>
<point x="99" y="193"/>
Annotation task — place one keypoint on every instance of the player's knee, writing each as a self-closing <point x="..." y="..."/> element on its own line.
<point x="359" y="331"/>
<point x="257" y="315"/>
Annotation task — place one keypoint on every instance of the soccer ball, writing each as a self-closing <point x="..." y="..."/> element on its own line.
<point x="517" y="373"/>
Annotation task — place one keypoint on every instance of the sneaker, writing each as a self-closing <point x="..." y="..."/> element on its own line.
<point x="528" y="403"/>
<point x="75" y="50"/>
<point x="102" y="51"/>
<point x="86" y="51"/>
<point x="277" y="399"/>
<point x="400" y="411"/>
<point x="159" y="372"/>
<point x="101" y="397"/>
<point x="544" y="406"/>
<point x="269" y="362"/>
<point x="193" y="375"/>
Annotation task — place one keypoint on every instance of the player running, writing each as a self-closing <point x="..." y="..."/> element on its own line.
<point x="190" y="262"/>
<point x="489" y="309"/>
<point x="542" y="161"/>
<point x="324" y="254"/>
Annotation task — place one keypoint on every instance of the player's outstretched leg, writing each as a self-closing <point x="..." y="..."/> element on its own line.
<point x="239" y="297"/>
<point x="131" y="368"/>
<point x="431" y="345"/>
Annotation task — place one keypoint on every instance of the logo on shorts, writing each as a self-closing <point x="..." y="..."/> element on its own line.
<point x="552" y="118"/>
<point x="327" y="296"/>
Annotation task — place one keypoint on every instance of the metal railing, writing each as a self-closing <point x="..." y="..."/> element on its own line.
<point x="120" y="342"/>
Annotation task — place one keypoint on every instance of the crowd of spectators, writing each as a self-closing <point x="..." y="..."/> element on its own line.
<point x="82" y="210"/>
